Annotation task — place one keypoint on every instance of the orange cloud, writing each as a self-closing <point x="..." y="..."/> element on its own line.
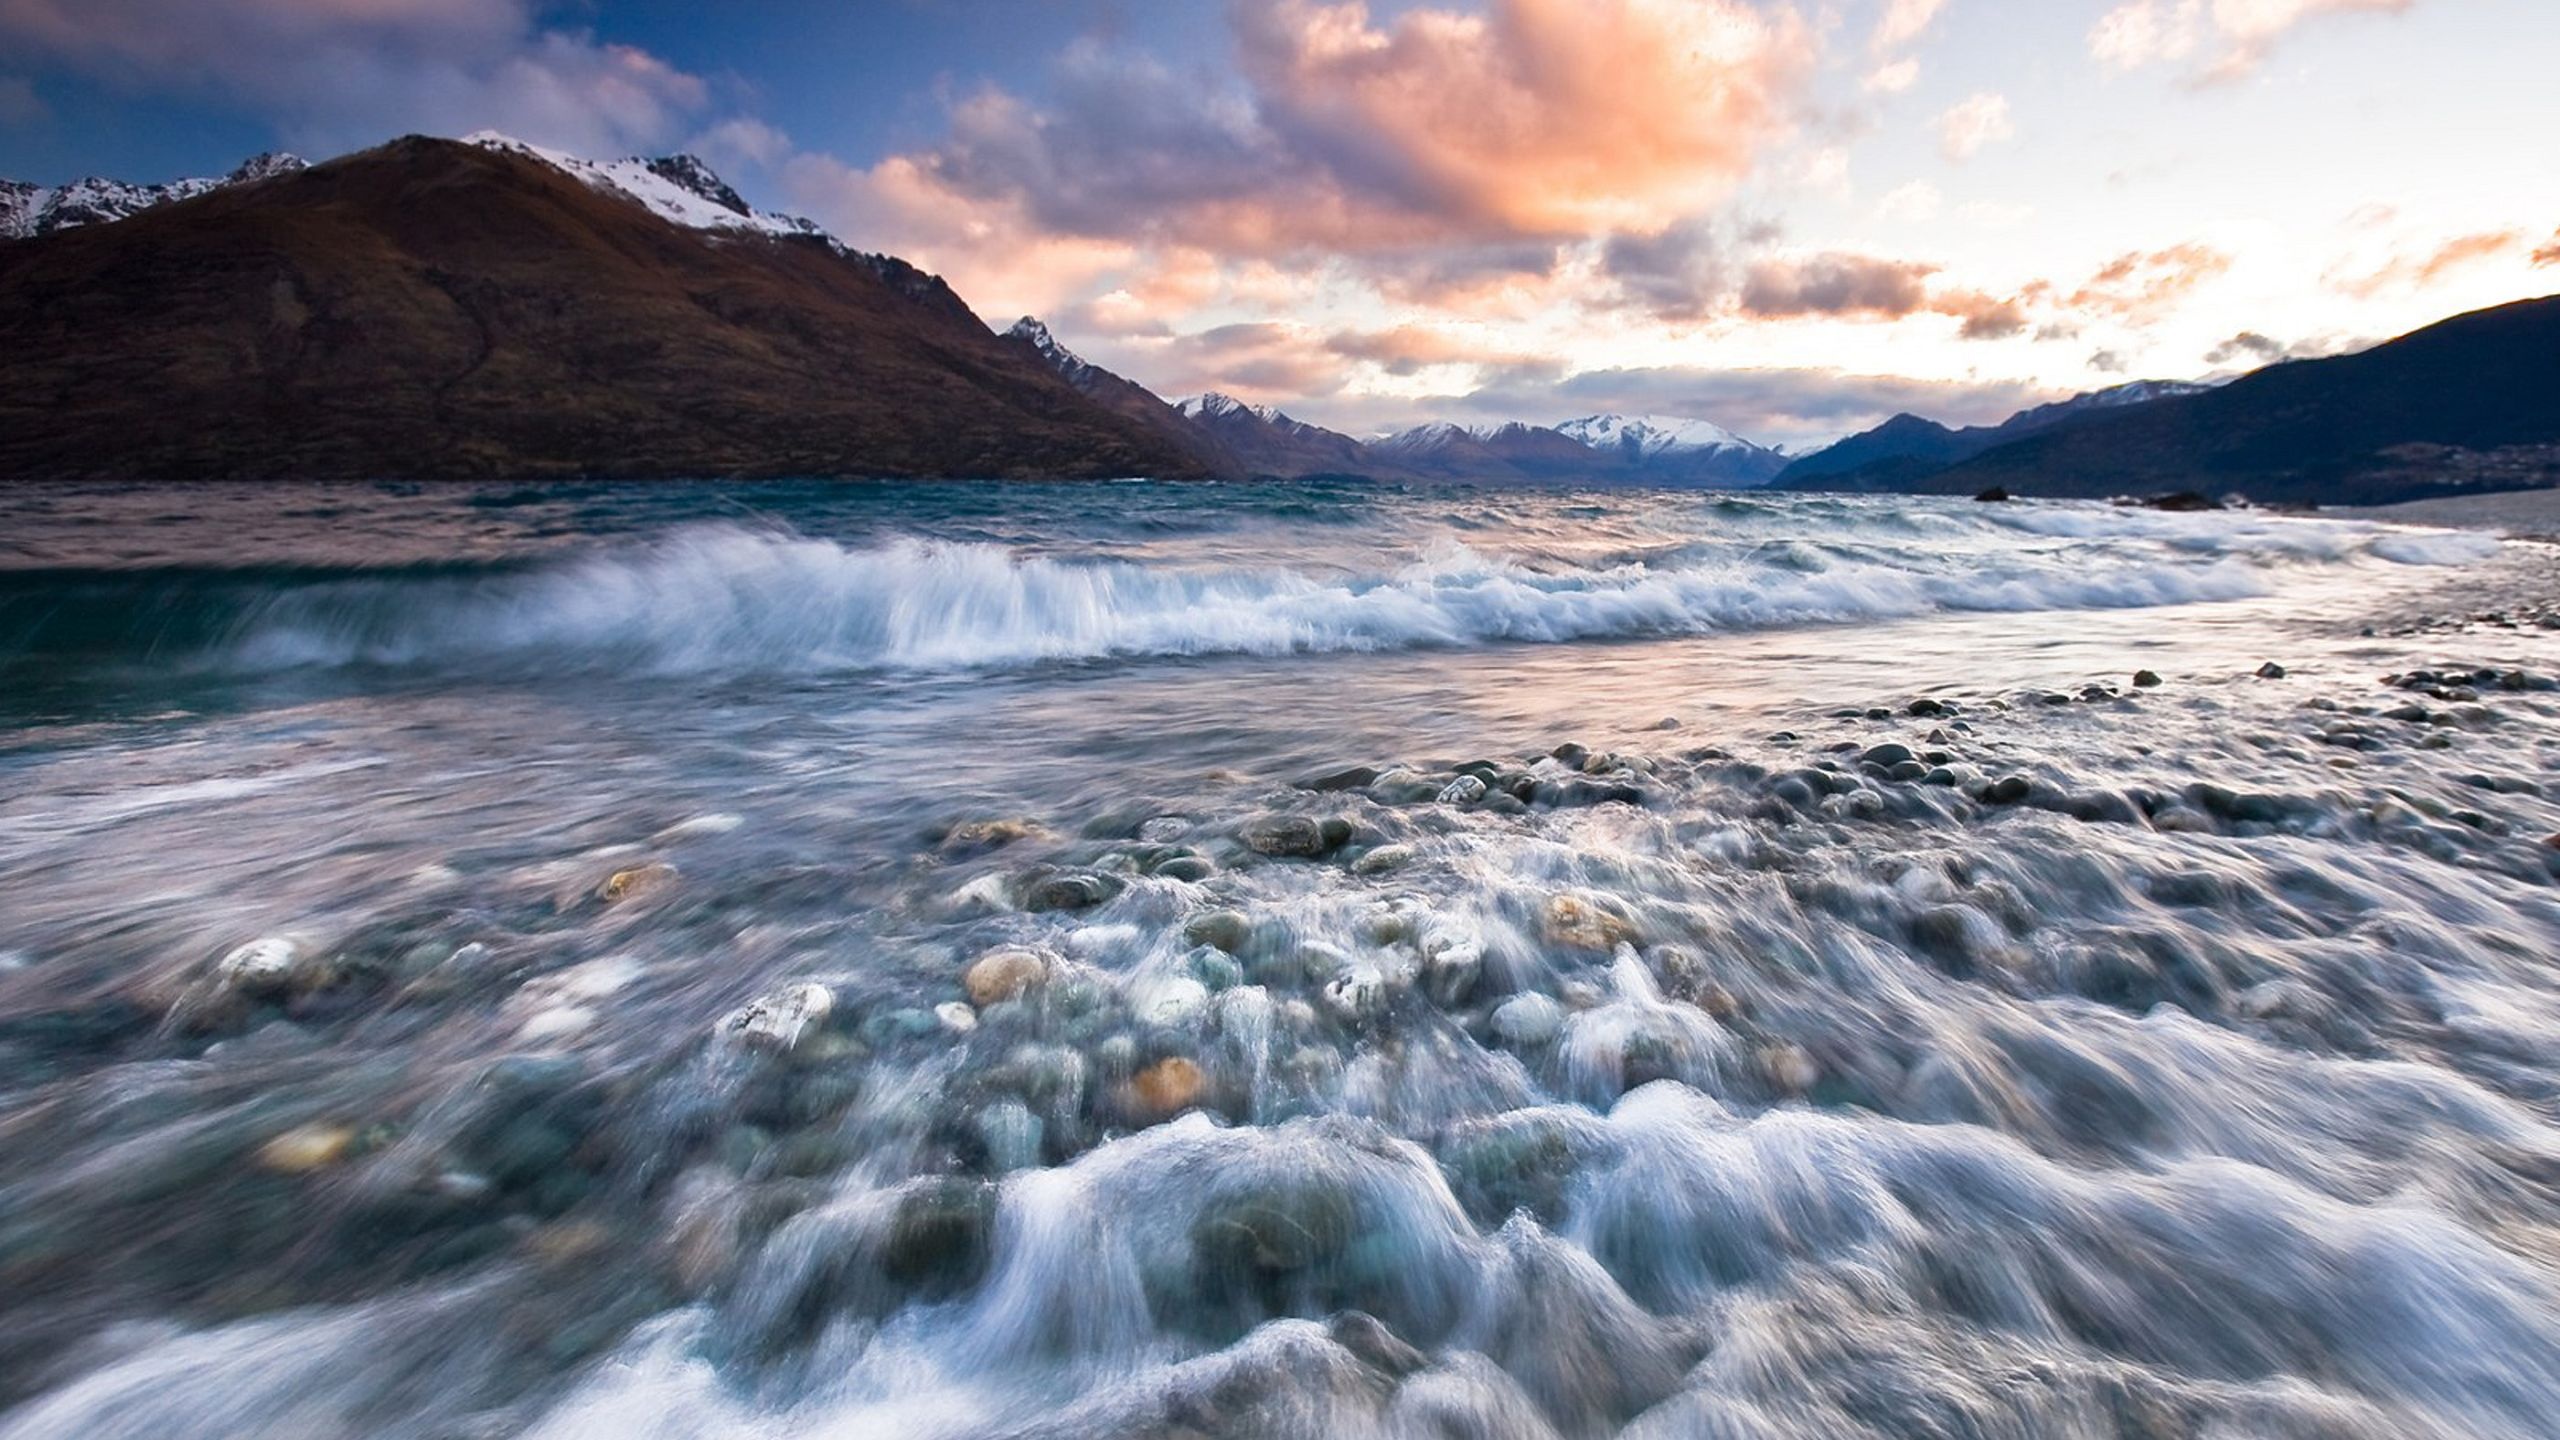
<point x="2548" y="254"/>
<point x="2144" y="285"/>
<point x="1541" y="117"/>
<point x="2416" y="272"/>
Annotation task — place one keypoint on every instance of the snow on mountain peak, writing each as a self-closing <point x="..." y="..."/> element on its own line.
<point x="1215" y="406"/>
<point x="1646" y="435"/>
<point x="29" y="210"/>
<point x="676" y="188"/>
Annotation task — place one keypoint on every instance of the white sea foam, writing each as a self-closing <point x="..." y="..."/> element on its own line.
<point x="724" y="599"/>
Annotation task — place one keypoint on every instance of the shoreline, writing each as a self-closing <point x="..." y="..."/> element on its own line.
<point x="2517" y="514"/>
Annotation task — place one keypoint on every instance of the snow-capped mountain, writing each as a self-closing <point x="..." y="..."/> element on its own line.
<point x="1649" y="435"/>
<point x="2113" y="397"/>
<point x="29" y="210"/>
<point x="1265" y="441"/>
<point x="677" y="188"/>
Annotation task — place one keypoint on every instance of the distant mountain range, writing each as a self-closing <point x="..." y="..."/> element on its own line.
<point x="437" y="308"/>
<point x="2467" y="404"/>
<point x="1906" y="448"/>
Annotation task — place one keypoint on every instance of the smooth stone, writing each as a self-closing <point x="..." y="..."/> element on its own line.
<point x="1528" y="1021"/>
<point x="1465" y="790"/>
<point x="1299" y="836"/>
<point x="1164" y="828"/>
<point x="1192" y="868"/>
<point x="266" y="968"/>
<point x="637" y="883"/>
<point x="1011" y="1134"/>
<point x="956" y="1016"/>
<point x="1584" y="924"/>
<point x="1383" y="859"/>
<point x="1175" y="1001"/>
<point x="2008" y="790"/>
<point x="306" y="1148"/>
<point x="1356" y="777"/>
<point x="781" y="1021"/>
<point x="2145" y="679"/>
<point x="1169" y="1086"/>
<point x="1888" y="755"/>
<point x="1004" y="974"/>
<point x="1073" y="890"/>
<point x="1226" y="930"/>
<point x="2271" y="671"/>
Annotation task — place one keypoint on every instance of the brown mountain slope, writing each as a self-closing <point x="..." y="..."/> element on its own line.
<point x="430" y="308"/>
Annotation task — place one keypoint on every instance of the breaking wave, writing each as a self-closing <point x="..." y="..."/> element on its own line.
<point x="717" y="599"/>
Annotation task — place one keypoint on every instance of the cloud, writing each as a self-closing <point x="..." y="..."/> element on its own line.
<point x="1986" y="317"/>
<point x="2250" y="349"/>
<point x="1972" y="123"/>
<point x="2230" y="37"/>
<point x="1536" y="120"/>
<point x="2107" y="362"/>
<point x="331" y="74"/>
<point x="1406" y="350"/>
<point x="2548" y="254"/>
<point x="1892" y="78"/>
<point x="1836" y="283"/>
<point x="1902" y="22"/>
<point x="2416" y="272"/>
<point x="742" y="141"/>
<point x="2142" y="285"/>
<point x="2249" y="346"/>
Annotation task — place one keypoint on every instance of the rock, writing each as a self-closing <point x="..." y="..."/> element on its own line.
<point x="1067" y="890"/>
<point x="2271" y="671"/>
<point x="976" y="837"/>
<point x="268" y="969"/>
<point x="1004" y="974"/>
<point x="1927" y="708"/>
<point x="2182" y="502"/>
<point x="2008" y="790"/>
<point x="1525" y="1022"/>
<point x="1790" y="1068"/>
<point x="939" y="1240"/>
<point x="306" y="1148"/>
<point x="781" y="1021"/>
<point x="637" y="883"/>
<point x="1226" y="930"/>
<point x="1011" y="1135"/>
<point x="1450" y="969"/>
<point x="1465" y="790"/>
<point x="1383" y="859"/>
<point x="1584" y="924"/>
<point x="1301" y="836"/>
<point x="1887" y="755"/>
<point x="1169" y="1086"/>
<point x="1357" y="777"/>
<point x="956" y="1017"/>
<point x="1993" y="496"/>
<point x="2145" y="679"/>
<point x="1374" y="1344"/>
<point x="1192" y="868"/>
<point x="1174" y="1001"/>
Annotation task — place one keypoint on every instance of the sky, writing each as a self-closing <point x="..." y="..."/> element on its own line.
<point x="1794" y="219"/>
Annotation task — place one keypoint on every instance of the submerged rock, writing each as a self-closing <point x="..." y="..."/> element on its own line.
<point x="271" y="968"/>
<point x="637" y="883"/>
<point x="1169" y="1086"/>
<point x="781" y="1021"/>
<point x="1005" y="974"/>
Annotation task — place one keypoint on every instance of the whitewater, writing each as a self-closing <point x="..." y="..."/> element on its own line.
<point x="1269" y="960"/>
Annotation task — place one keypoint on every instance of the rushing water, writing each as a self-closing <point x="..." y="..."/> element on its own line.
<point x="1294" y="961"/>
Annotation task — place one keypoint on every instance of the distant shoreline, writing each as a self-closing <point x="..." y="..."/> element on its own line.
<point x="2522" y="514"/>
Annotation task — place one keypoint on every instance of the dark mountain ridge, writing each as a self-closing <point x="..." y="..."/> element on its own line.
<point x="434" y="308"/>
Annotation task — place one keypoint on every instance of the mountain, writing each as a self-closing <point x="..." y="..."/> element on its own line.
<point x="1264" y="441"/>
<point x="437" y="308"/>
<point x="1675" y="450"/>
<point x="2469" y="403"/>
<point x="1128" y="399"/>
<point x="1489" y="452"/>
<point x="28" y="210"/>
<point x="1904" y="450"/>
